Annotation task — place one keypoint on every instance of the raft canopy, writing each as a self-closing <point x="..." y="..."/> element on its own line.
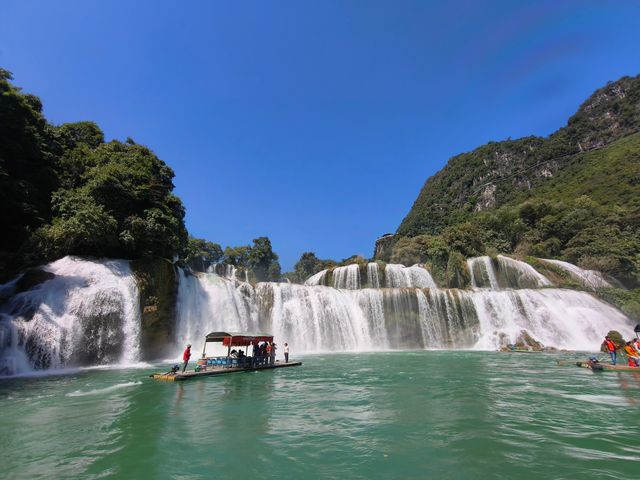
<point x="238" y="339"/>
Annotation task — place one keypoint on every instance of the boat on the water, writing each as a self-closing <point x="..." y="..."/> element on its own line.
<point x="233" y="362"/>
<point x="597" y="366"/>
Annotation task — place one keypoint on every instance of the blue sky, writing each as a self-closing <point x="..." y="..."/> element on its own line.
<point x="315" y="123"/>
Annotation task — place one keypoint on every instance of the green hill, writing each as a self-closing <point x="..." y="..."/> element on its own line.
<point x="496" y="174"/>
<point x="574" y="195"/>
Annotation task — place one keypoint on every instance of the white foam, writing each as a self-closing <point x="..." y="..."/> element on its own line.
<point x="100" y="391"/>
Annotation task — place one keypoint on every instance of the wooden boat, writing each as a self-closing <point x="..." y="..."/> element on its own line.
<point x="604" y="366"/>
<point x="179" y="376"/>
<point x="207" y="366"/>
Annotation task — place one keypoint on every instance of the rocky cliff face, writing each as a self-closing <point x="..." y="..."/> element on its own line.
<point x="494" y="173"/>
<point x="384" y="247"/>
<point x="158" y="286"/>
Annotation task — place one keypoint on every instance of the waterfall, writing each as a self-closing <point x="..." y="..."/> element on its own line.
<point x="87" y="313"/>
<point x="317" y="279"/>
<point x="562" y="318"/>
<point x="225" y="270"/>
<point x="319" y="318"/>
<point x="520" y="274"/>
<point x="373" y="275"/>
<point x="504" y="273"/>
<point x="207" y="303"/>
<point x="589" y="278"/>
<point x="482" y="273"/>
<point x="347" y="277"/>
<point x="399" y="276"/>
<point x="314" y="318"/>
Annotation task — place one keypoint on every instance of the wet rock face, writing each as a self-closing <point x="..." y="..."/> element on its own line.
<point x="158" y="285"/>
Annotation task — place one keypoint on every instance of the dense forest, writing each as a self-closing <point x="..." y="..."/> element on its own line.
<point x="64" y="190"/>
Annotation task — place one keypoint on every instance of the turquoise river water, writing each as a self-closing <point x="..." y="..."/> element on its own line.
<point x="444" y="415"/>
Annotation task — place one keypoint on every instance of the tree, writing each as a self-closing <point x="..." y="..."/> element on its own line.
<point x="263" y="261"/>
<point x="27" y="176"/>
<point x="200" y="253"/>
<point x="309" y="264"/>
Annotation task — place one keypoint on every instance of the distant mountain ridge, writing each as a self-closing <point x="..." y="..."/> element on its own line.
<point x="498" y="173"/>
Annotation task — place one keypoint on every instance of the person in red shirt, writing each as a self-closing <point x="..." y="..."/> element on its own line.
<point x="186" y="356"/>
<point x="268" y="352"/>
<point x="611" y="348"/>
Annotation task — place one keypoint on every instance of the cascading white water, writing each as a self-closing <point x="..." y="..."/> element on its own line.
<point x="317" y="279"/>
<point x="207" y="303"/>
<point x="314" y="318"/>
<point x="373" y="275"/>
<point x="521" y="273"/>
<point x="399" y="276"/>
<point x="504" y="273"/>
<point x="482" y="273"/>
<point x="561" y="318"/>
<point x="347" y="277"/>
<point x="589" y="278"/>
<point x="318" y="318"/>
<point x="225" y="270"/>
<point x="87" y="314"/>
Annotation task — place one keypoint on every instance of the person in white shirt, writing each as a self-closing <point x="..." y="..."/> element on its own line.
<point x="286" y="353"/>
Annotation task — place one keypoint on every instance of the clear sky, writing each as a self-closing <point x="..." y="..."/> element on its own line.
<point x="315" y="123"/>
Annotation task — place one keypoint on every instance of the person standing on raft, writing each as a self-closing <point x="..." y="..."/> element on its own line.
<point x="286" y="353"/>
<point x="632" y="355"/>
<point x="611" y="348"/>
<point x="186" y="356"/>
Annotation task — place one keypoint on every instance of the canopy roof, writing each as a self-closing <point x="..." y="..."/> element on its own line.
<point x="238" y="339"/>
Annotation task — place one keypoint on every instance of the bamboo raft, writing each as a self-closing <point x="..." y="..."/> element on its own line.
<point x="188" y="375"/>
<point x="604" y="366"/>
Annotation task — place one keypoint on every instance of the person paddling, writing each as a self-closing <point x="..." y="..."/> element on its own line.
<point x="611" y="348"/>
<point x="186" y="356"/>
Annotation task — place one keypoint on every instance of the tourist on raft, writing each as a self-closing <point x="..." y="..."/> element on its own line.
<point x="267" y="351"/>
<point x="611" y="348"/>
<point x="286" y="353"/>
<point x="254" y="355"/>
<point x="185" y="357"/>
<point x="632" y="355"/>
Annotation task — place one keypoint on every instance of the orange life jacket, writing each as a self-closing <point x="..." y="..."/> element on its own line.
<point x="610" y="345"/>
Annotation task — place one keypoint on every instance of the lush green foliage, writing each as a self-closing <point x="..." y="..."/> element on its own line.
<point x="201" y="254"/>
<point x="27" y="161"/>
<point x="496" y="173"/>
<point x="63" y="190"/>
<point x="574" y="195"/>
<point x="259" y="259"/>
